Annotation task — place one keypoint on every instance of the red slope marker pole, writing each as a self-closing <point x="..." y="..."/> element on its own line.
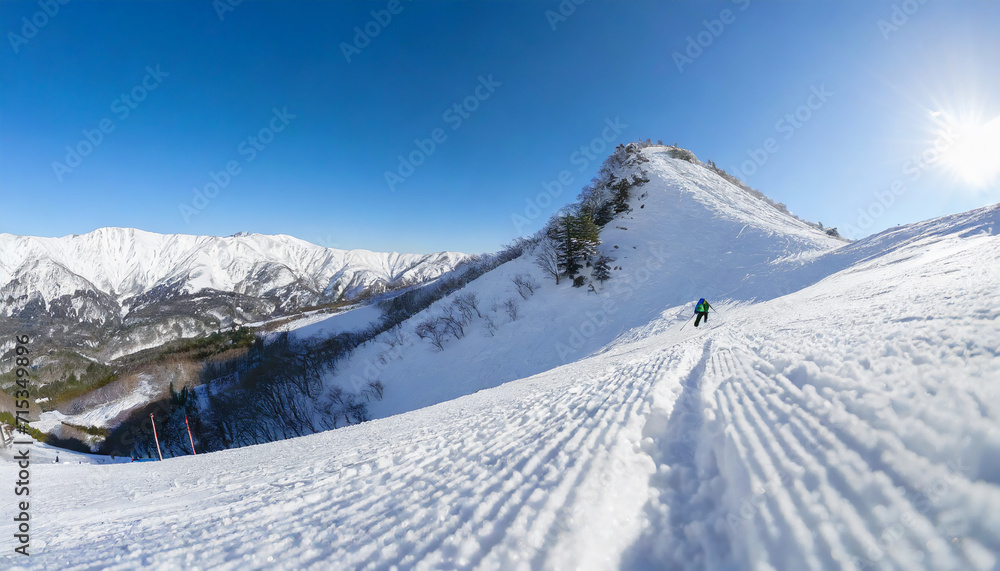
<point x="189" y="434"/>
<point x="155" y="437"/>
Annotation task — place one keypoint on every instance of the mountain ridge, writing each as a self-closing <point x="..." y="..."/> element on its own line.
<point x="130" y="260"/>
<point x="125" y="289"/>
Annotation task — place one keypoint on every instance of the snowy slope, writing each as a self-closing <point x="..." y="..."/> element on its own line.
<point x="690" y="234"/>
<point x="852" y="424"/>
<point x="354" y="318"/>
<point x="110" y="410"/>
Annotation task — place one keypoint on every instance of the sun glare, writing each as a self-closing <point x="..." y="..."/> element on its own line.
<point x="973" y="152"/>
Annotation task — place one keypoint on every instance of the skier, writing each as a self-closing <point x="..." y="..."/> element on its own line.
<point x="701" y="310"/>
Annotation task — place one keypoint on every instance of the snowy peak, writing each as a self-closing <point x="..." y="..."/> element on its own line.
<point x="716" y="238"/>
<point x="726" y="200"/>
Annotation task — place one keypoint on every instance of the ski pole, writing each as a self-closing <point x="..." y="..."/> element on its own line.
<point x="686" y="322"/>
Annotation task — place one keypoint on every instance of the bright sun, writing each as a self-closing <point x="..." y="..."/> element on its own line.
<point x="974" y="156"/>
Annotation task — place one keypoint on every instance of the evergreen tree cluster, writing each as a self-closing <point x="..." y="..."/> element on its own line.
<point x="608" y="193"/>
<point x="568" y="243"/>
<point x="576" y="237"/>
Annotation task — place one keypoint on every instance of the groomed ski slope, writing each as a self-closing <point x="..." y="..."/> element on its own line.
<point x="852" y="424"/>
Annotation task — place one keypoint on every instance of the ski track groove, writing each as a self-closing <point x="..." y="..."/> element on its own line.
<point x="783" y="446"/>
<point x="575" y="412"/>
<point x="844" y="473"/>
<point x="599" y="437"/>
<point x="677" y="449"/>
<point x="773" y="464"/>
<point x="867" y="463"/>
<point x="753" y="403"/>
<point x="763" y="469"/>
<point x="802" y="454"/>
<point x="596" y="421"/>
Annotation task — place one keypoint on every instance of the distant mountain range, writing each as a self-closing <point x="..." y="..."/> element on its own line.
<point x="114" y="291"/>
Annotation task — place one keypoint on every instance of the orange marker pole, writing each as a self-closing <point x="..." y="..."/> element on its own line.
<point x="189" y="434"/>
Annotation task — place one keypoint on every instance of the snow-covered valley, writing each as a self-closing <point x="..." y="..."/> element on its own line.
<point x="838" y="411"/>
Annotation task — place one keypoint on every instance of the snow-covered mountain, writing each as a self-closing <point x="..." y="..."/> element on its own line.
<point x="837" y="412"/>
<point x="142" y="288"/>
<point x="689" y="234"/>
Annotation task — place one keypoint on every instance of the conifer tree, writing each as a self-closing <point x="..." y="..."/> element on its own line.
<point x="602" y="268"/>
<point x="576" y="237"/>
<point x="587" y="235"/>
<point x="568" y="253"/>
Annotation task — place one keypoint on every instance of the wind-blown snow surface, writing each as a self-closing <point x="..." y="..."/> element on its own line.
<point x="839" y="412"/>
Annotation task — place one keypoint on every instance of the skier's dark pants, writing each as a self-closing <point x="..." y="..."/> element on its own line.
<point x="700" y="315"/>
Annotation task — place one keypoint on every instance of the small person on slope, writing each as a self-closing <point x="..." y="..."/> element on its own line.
<point x="701" y="310"/>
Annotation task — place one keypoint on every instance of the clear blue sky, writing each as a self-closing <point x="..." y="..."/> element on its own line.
<point x="212" y="83"/>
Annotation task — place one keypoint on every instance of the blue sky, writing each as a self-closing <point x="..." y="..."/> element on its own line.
<point x="832" y="103"/>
